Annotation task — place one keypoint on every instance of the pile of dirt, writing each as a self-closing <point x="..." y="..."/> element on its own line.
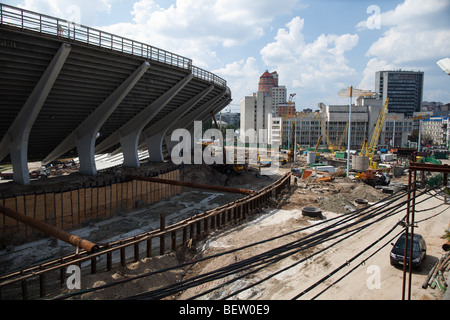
<point x="364" y="191"/>
<point x="204" y="174"/>
<point x="339" y="203"/>
<point x="344" y="202"/>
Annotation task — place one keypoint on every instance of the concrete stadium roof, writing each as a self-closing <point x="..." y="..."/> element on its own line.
<point x="70" y="90"/>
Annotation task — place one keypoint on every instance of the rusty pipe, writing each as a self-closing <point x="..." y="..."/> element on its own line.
<point x="50" y="230"/>
<point x="194" y="185"/>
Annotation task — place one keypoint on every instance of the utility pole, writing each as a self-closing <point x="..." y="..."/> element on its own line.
<point x="349" y="92"/>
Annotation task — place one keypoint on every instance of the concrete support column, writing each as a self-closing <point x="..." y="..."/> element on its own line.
<point x="154" y="144"/>
<point x="85" y="135"/>
<point x="131" y="131"/>
<point x="129" y="145"/>
<point x="15" y="142"/>
<point x="169" y="143"/>
<point x="154" y="136"/>
<point x="85" y="149"/>
<point x="88" y="133"/>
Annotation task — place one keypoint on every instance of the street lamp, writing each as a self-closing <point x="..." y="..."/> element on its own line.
<point x="444" y="64"/>
<point x="350" y="92"/>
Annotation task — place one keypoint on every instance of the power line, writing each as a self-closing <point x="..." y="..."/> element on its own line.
<point x="220" y="273"/>
<point x="347" y="217"/>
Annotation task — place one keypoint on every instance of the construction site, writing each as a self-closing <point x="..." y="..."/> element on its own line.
<point x="94" y="207"/>
<point x="229" y="231"/>
<point x="199" y="231"/>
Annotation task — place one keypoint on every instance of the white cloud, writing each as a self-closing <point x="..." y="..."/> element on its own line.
<point x="79" y="11"/>
<point x="195" y="28"/>
<point x="242" y="77"/>
<point x="415" y="30"/>
<point x="374" y="65"/>
<point x="310" y="67"/>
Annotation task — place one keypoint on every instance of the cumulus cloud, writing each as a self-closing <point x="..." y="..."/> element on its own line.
<point x="374" y="65"/>
<point x="242" y="77"/>
<point x="316" y="65"/>
<point x="196" y="28"/>
<point x="78" y="11"/>
<point x="414" y="30"/>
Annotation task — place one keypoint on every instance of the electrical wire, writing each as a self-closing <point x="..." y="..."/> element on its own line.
<point x="220" y="272"/>
<point x="261" y="260"/>
<point x="243" y="289"/>
<point x="383" y="202"/>
<point x="360" y="253"/>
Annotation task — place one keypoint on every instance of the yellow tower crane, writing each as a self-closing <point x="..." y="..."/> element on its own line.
<point x="331" y="145"/>
<point x="372" y="147"/>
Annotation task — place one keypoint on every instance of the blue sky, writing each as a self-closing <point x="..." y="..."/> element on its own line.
<point x="317" y="46"/>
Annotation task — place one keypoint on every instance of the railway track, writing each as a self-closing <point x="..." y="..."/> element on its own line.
<point x="37" y="281"/>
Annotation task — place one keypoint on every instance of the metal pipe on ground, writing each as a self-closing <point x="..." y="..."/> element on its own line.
<point x="51" y="230"/>
<point x="194" y="185"/>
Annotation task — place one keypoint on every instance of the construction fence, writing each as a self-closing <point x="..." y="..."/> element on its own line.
<point x="69" y="208"/>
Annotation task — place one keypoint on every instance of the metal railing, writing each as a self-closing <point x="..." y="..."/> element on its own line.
<point x="121" y="252"/>
<point x="73" y="32"/>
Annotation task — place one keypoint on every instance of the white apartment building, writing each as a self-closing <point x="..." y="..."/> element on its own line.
<point x="434" y="128"/>
<point x="255" y="111"/>
<point x="275" y="130"/>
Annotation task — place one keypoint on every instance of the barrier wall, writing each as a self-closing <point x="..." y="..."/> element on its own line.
<point x="68" y="208"/>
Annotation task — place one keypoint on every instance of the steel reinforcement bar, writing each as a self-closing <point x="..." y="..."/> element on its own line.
<point x="180" y="234"/>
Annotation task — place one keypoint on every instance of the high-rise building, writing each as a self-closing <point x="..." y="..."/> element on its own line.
<point x="279" y="95"/>
<point x="255" y="110"/>
<point x="403" y="88"/>
<point x="267" y="82"/>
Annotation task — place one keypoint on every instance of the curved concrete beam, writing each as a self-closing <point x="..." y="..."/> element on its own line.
<point x="15" y="141"/>
<point x="129" y="133"/>
<point x="154" y="135"/>
<point x="84" y="136"/>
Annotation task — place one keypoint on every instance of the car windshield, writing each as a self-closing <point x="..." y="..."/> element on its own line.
<point x="401" y="244"/>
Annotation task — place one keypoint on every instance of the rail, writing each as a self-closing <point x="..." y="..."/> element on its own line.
<point x="74" y="32"/>
<point x="132" y="249"/>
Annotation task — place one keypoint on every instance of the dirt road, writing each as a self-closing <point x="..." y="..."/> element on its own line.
<point x="375" y="279"/>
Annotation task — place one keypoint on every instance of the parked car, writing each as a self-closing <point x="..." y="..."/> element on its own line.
<point x="419" y="251"/>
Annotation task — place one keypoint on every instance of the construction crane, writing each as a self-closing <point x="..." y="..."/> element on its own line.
<point x="364" y="148"/>
<point x="291" y="97"/>
<point x="317" y="144"/>
<point x="372" y="147"/>
<point x="341" y="140"/>
<point x="331" y="146"/>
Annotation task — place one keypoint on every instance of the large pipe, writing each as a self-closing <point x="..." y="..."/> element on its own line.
<point x="194" y="185"/>
<point x="50" y="230"/>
